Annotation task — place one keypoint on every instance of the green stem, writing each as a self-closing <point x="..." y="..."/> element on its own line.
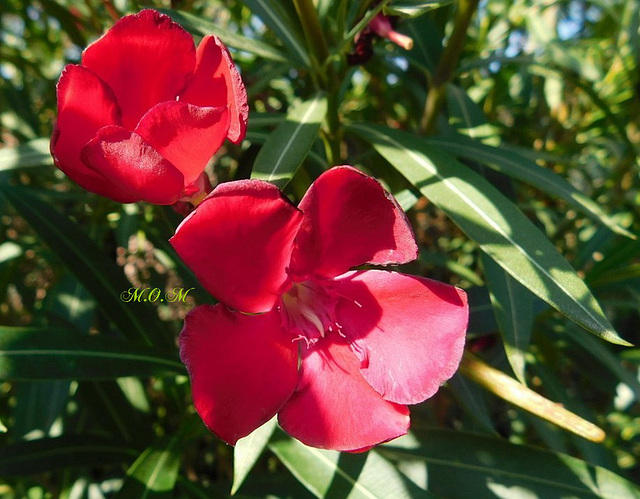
<point x="446" y="66"/>
<point x="512" y="391"/>
<point x="312" y="30"/>
<point x="332" y="136"/>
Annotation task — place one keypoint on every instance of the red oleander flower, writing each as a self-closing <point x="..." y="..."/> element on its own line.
<point x="368" y="342"/>
<point x="145" y="111"/>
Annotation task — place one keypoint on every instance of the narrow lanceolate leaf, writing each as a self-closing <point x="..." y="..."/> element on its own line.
<point x="494" y="223"/>
<point x="53" y="353"/>
<point x="287" y="29"/>
<point x="289" y="144"/>
<point x="86" y="260"/>
<point x="154" y="473"/>
<point x="33" y="153"/>
<point x="513" y="308"/>
<point x="332" y="474"/>
<point x="47" y="454"/>
<point x="413" y="8"/>
<point x="198" y="25"/>
<point x="487" y="467"/>
<point x="248" y="450"/>
<point x="38" y="404"/>
<point x="516" y="166"/>
<point x="470" y="396"/>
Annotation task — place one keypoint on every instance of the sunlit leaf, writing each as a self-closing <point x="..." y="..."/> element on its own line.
<point x="334" y="474"/>
<point x="513" y="308"/>
<point x="486" y="467"/>
<point x="289" y="144"/>
<point x="516" y="166"/>
<point x="413" y="8"/>
<point x="491" y="220"/>
<point x="248" y="450"/>
<point x="154" y="473"/>
<point x="32" y="153"/>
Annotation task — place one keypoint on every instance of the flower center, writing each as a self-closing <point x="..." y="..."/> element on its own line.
<point x="309" y="309"/>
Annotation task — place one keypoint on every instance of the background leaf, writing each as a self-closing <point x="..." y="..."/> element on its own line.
<point x="289" y="144"/>
<point x="494" y="223"/>
<point x="85" y="260"/>
<point x="479" y="466"/>
<point x="38" y="456"/>
<point x="45" y="354"/>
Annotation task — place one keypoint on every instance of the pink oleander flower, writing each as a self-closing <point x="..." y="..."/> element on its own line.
<point x="381" y="26"/>
<point x="142" y="115"/>
<point x="336" y="353"/>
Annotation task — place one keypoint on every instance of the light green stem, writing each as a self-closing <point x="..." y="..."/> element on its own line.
<point x="512" y="391"/>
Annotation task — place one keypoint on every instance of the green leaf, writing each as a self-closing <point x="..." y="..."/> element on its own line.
<point x="47" y="454"/>
<point x="38" y="404"/>
<point x="111" y="411"/>
<point x="248" y="450"/>
<point x="286" y="148"/>
<point x="52" y="353"/>
<point x="196" y="25"/>
<point x="9" y="250"/>
<point x="606" y="360"/>
<point x="33" y="153"/>
<point x="481" y="317"/>
<point x="99" y="275"/>
<point x="497" y="226"/>
<point x="413" y="8"/>
<point x="481" y="466"/>
<point x="154" y="473"/>
<point x="513" y="308"/>
<point x="333" y="474"/>
<point x="286" y="29"/>
<point x="514" y="165"/>
<point x="470" y="396"/>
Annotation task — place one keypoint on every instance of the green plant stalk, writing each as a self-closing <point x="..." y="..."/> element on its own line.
<point x="323" y="73"/>
<point x="446" y="66"/>
<point x="512" y="391"/>
<point x="308" y="16"/>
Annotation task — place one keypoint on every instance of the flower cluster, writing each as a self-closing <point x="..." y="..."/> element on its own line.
<point x="336" y="353"/>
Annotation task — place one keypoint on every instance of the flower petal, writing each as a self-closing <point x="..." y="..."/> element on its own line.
<point x="85" y="104"/>
<point x="145" y="58"/>
<point x="184" y="134"/>
<point x="242" y="368"/>
<point x="333" y="407"/>
<point x="239" y="242"/>
<point x="135" y="169"/>
<point x="408" y="331"/>
<point x="216" y="82"/>
<point x="350" y="220"/>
